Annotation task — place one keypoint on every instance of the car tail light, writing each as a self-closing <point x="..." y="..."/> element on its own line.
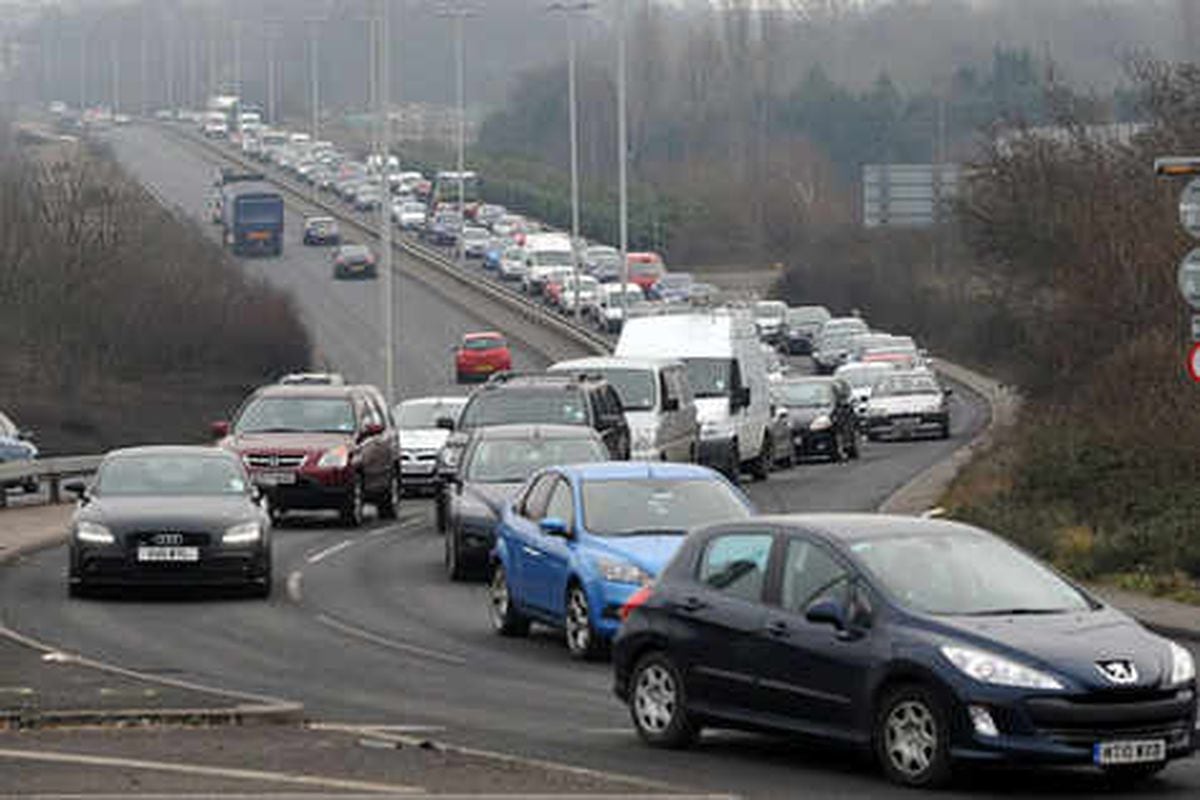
<point x="636" y="600"/>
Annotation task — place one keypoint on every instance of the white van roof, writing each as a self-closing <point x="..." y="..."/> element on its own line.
<point x="612" y="362"/>
<point x="707" y="334"/>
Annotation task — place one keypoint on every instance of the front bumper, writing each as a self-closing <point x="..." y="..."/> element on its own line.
<point x="907" y="425"/>
<point x="116" y="565"/>
<point x="1069" y="729"/>
<point x="813" y="443"/>
<point x="606" y="599"/>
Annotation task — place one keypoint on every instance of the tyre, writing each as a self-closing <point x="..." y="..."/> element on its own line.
<point x="912" y="737"/>
<point x="506" y="620"/>
<point x="760" y="467"/>
<point x="582" y="640"/>
<point x="731" y="469"/>
<point x="657" y="703"/>
<point x="453" y="555"/>
<point x="352" y="506"/>
<point x="944" y="433"/>
<point x="388" y="505"/>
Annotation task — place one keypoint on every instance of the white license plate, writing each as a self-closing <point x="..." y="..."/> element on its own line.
<point x="168" y="554"/>
<point x="417" y="469"/>
<point x="275" y="478"/>
<point x="1131" y="752"/>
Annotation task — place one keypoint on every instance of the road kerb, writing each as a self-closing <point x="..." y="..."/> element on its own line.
<point x="245" y="708"/>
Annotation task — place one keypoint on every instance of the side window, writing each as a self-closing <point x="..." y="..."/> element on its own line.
<point x="562" y="504"/>
<point x="736" y="564"/>
<point x="534" y="505"/>
<point x="666" y="387"/>
<point x="809" y="574"/>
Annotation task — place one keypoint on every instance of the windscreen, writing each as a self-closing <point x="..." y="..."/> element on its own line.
<point x="170" y="475"/>
<point x="548" y="407"/>
<point x="964" y="573"/>
<point x="710" y="377"/>
<point x="805" y="394"/>
<point x="862" y="377"/>
<point x="895" y="385"/>
<point x="488" y="343"/>
<point x="514" y="460"/>
<point x="260" y="210"/>
<point x="426" y="415"/>
<point x="297" y="415"/>
<point x="630" y="507"/>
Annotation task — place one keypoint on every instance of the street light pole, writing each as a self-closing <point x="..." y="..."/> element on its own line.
<point x="461" y="89"/>
<point x="385" y="207"/>
<point x="572" y="114"/>
<point x="622" y="156"/>
<point x="314" y="78"/>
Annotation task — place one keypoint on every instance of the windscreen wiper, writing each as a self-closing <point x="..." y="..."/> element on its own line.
<point x="1015" y="612"/>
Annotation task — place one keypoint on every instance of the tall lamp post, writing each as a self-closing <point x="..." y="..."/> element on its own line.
<point x="385" y="207"/>
<point x="622" y="158"/>
<point x="458" y="15"/>
<point x="570" y="10"/>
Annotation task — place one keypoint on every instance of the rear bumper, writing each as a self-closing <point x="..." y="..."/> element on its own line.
<point x="309" y="492"/>
<point x="907" y="424"/>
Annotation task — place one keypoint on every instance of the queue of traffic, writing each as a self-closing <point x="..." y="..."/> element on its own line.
<point x="601" y="497"/>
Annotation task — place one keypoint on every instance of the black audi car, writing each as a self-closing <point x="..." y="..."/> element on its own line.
<point x="932" y="643"/>
<point x="495" y="464"/>
<point x="170" y="516"/>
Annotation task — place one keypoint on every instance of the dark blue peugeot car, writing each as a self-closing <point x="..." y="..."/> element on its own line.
<point x="930" y="642"/>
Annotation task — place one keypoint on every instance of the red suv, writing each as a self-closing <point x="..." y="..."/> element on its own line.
<point x="480" y="356"/>
<point x="319" y="447"/>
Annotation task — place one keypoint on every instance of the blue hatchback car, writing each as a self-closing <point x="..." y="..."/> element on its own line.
<point x="577" y="541"/>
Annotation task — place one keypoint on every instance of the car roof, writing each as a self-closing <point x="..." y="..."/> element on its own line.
<point x="171" y="450"/>
<point x="447" y="400"/>
<point x="309" y="390"/>
<point x="540" y="380"/>
<point x="850" y="527"/>
<point x="319" y="218"/>
<point x="535" y="431"/>
<point x="635" y="470"/>
<point x="613" y="362"/>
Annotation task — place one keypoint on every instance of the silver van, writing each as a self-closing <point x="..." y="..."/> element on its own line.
<point x="657" y="400"/>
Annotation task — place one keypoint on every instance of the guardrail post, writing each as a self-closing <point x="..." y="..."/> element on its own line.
<point x="55" y="496"/>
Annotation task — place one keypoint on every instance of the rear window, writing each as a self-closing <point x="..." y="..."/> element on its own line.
<point x="488" y="343"/>
<point x="526" y="406"/>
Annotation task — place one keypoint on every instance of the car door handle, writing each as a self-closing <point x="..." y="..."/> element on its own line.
<point x="691" y="604"/>
<point x="529" y="551"/>
<point x="778" y="628"/>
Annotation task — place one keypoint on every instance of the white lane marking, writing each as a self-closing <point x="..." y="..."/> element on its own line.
<point x="81" y="759"/>
<point x="321" y="555"/>
<point x="309" y="795"/>
<point x="293" y="586"/>
<point x="358" y="727"/>
<point x="404" y="647"/>
<point x="509" y="758"/>
<point x="608" y="731"/>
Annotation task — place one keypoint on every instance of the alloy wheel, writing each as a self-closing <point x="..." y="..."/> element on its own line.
<point x="578" y="623"/>
<point x="655" y="699"/>
<point x="911" y="738"/>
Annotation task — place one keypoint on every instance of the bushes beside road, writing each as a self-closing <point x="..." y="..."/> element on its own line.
<point x="120" y="323"/>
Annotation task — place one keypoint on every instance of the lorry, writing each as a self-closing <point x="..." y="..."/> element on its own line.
<point x="251" y="214"/>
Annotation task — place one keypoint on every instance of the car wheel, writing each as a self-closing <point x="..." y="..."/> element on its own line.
<point x="760" y="467"/>
<point x="389" y="504"/>
<point x="352" y="507"/>
<point x="453" y="559"/>
<point x="912" y="737"/>
<point x="582" y="640"/>
<point x="944" y="433"/>
<point x="506" y="620"/>
<point x="657" y="703"/>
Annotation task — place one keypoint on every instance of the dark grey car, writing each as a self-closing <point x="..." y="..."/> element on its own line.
<point x="170" y="516"/>
<point x="495" y="464"/>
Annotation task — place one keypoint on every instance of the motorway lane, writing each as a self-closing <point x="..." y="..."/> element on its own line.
<point x="377" y="635"/>
<point x="344" y="318"/>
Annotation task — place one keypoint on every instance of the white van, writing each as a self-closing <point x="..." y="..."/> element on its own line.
<point x="657" y="401"/>
<point x="725" y="367"/>
<point x="545" y="253"/>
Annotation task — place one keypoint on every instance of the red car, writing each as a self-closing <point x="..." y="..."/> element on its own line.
<point x="480" y="355"/>
<point x="645" y="269"/>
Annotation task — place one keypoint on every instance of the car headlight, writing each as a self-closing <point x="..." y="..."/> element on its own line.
<point x="448" y="459"/>
<point x="621" y="571"/>
<point x="821" y="423"/>
<point x="93" y="533"/>
<point x="244" y="533"/>
<point x="335" y="458"/>
<point x="1183" y="666"/>
<point x="990" y="668"/>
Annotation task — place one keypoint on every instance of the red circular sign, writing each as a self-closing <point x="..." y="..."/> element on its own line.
<point x="1193" y="362"/>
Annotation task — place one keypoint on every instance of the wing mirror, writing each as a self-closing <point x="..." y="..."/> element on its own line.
<point x="445" y="423"/>
<point x="827" y="612"/>
<point x="671" y="404"/>
<point x="220" y="429"/>
<point x="948" y="392"/>
<point x="554" y="526"/>
<point x="77" y="488"/>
